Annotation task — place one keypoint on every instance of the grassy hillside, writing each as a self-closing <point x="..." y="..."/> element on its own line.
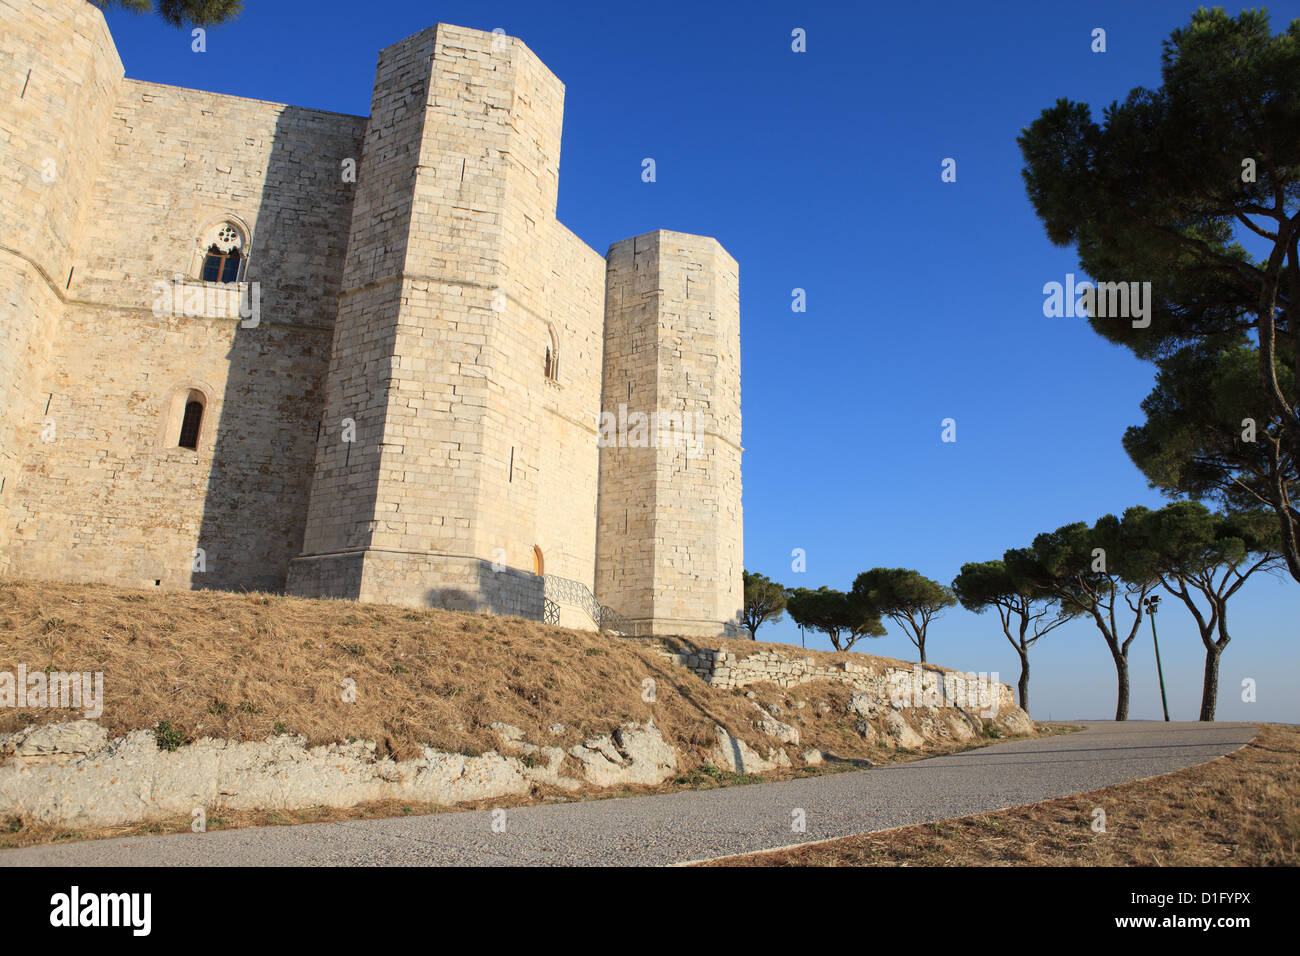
<point x="245" y="666"/>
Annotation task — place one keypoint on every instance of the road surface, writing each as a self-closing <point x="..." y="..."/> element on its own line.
<point x="695" y="825"/>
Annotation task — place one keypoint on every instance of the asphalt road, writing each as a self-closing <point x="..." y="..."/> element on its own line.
<point x="681" y="827"/>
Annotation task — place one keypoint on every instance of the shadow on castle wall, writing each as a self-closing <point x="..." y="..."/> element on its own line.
<point x="269" y="416"/>
<point x="506" y="591"/>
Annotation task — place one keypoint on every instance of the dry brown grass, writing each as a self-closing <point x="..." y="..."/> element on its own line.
<point x="246" y="666"/>
<point x="1239" y="810"/>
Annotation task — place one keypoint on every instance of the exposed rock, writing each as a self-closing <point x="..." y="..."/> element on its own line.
<point x="732" y="753"/>
<point x="930" y="728"/>
<point x="54" y="743"/>
<point x="549" y="772"/>
<point x="645" y="757"/>
<point x="961" y="725"/>
<point x="130" y="779"/>
<point x="901" y="731"/>
<point x="775" y="728"/>
<point x="556" y="728"/>
<point x="866" y="729"/>
<point x="456" y="778"/>
<point x="603" y="745"/>
<point x="1013" y="720"/>
<point x="506" y="733"/>
<point x="811" y="756"/>
<point x="863" y="706"/>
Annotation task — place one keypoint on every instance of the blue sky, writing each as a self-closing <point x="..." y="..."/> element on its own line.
<point x="821" y="171"/>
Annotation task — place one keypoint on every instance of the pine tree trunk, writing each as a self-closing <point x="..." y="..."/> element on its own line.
<point x="1210" y="689"/>
<point x="1121" y="703"/>
<point x="1024" y="682"/>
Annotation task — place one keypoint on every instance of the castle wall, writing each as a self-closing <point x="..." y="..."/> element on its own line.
<point x="466" y="458"/>
<point x="107" y="499"/>
<point x="670" y="538"/>
<point x="59" y="73"/>
<point x="385" y="424"/>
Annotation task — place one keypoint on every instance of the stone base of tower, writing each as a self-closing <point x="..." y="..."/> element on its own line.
<point x="673" y="627"/>
<point x="415" y="579"/>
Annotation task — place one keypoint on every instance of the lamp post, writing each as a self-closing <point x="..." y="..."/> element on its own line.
<point x="1152" y="604"/>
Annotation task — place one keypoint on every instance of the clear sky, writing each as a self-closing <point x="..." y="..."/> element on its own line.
<point x="821" y="170"/>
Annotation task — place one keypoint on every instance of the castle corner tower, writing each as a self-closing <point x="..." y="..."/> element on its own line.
<point x="670" y="538"/>
<point x="457" y="464"/>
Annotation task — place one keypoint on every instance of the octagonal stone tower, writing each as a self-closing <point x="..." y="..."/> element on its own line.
<point x="457" y="461"/>
<point x="479" y="345"/>
<point x="670" y="533"/>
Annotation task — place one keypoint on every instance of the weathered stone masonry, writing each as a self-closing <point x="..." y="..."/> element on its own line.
<point x="413" y="416"/>
<point x="937" y="687"/>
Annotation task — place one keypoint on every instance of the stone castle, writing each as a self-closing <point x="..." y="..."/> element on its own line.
<point x="246" y="345"/>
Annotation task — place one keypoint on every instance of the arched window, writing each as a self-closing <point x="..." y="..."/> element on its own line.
<point x="186" y="424"/>
<point x="220" y="266"/>
<point x="190" y="425"/>
<point x="551" y="367"/>
<point x="539" y="564"/>
<point x="222" y="251"/>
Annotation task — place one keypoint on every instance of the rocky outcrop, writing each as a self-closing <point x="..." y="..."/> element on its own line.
<point x="45" y="743"/>
<point x="631" y="755"/>
<point x="786" y="733"/>
<point x="71" y="773"/>
<point x="901" y="731"/>
<point x="732" y="753"/>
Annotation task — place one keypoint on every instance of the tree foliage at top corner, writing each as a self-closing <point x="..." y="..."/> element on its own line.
<point x="181" y="13"/>
<point x="1156" y="190"/>
<point x="1194" y="187"/>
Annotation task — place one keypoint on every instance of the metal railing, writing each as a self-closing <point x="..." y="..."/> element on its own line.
<point x="558" y="590"/>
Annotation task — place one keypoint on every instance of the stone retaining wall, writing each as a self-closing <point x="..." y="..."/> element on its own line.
<point x="916" y="686"/>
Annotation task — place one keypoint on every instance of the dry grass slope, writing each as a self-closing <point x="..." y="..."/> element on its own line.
<point x="246" y="666"/>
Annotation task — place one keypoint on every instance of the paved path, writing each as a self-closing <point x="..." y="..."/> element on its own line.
<point x="680" y="827"/>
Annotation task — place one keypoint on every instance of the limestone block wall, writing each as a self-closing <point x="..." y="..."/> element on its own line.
<point x="59" y="74"/>
<point x="343" y="514"/>
<point x="458" y="280"/>
<point x="625" y="543"/>
<point x="720" y="667"/>
<point x="670" y="538"/>
<point x="107" y="498"/>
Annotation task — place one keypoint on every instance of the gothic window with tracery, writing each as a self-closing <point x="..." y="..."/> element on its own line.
<point x="224" y="252"/>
